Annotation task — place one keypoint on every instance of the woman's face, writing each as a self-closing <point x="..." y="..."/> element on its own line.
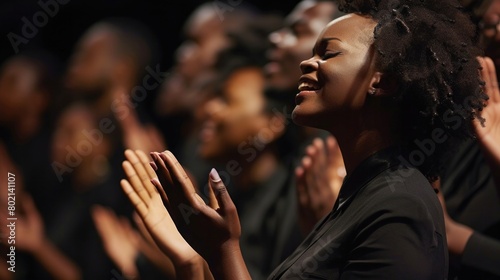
<point x="490" y="34"/>
<point x="17" y="88"/>
<point x="68" y="134"/>
<point x="234" y="118"/>
<point x="336" y="79"/>
<point x="292" y="43"/>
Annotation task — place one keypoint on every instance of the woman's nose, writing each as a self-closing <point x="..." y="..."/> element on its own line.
<point x="308" y="65"/>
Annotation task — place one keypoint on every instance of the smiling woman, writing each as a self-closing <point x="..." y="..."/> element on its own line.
<point x="385" y="78"/>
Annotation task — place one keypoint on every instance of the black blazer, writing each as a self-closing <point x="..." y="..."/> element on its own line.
<point x="386" y="224"/>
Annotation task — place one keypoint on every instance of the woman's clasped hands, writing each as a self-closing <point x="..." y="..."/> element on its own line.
<point x="193" y="234"/>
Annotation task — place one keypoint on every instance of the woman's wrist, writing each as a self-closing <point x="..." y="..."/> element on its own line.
<point x="458" y="235"/>
<point x="228" y="263"/>
<point x="39" y="249"/>
<point x="193" y="268"/>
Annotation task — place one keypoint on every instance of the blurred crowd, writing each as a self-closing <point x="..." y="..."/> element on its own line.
<point x="225" y="103"/>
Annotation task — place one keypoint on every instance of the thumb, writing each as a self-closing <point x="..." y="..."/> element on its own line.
<point x="224" y="200"/>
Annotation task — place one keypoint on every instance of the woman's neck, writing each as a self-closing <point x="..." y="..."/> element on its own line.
<point x="358" y="148"/>
<point x="365" y="134"/>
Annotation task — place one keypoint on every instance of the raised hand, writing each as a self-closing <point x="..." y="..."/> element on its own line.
<point x="29" y="227"/>
<point x="489" y="134"/>
<point x="150" y="207"/>
<point x="151" y="250"/>
<point x="319" y="178"/>
<point x="120" y="240"/>
<point x="32" y="239"/>
<point x="136" y="136"/>
<point x="214" y="233"/>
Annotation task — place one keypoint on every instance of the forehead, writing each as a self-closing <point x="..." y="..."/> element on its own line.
<point x="352" y="28"/>
<point x="309" y="10"/>
<point x="98" y="37"/>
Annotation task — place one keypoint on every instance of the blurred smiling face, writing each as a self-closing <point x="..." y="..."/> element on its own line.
<point x="337" y="77"/>
<point x="69" y="132"/>
<point x="91" y="64"/>
<point x="17" y="87"/>
<point x="235" y="116"/>
<point x="293" y="43"/>
<point x="490" y="32"/>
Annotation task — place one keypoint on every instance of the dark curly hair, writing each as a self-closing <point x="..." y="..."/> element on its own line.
<point x="429" y="47"/>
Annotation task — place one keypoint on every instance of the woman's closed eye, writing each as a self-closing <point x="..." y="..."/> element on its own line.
<point x="329" y="54"/>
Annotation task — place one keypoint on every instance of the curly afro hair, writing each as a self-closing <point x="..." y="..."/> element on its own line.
<point x="429" y="47"/>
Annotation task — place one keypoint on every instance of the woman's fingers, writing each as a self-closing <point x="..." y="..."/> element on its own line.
<point x="146" y="163"/>
<point x="493" y="92"/>
<point x="163" y="175"/>
<point x="135" y="199"/>
<point x="164" y="198"/>
<point x="223" y="199"/>
<point x="212" y="199"/>
<point x="184" y="189"/>
<point x="135" y="181"/>
<point x="141" y="172"/>
<point x="301" y="186"/>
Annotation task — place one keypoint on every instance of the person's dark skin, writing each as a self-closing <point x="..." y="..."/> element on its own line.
<point x="489" y="28"/>
<point x="335" y="84"/>
<point x="490" y="36"/>
<point x="292" y="44"/>
<point x="489" y="136"/>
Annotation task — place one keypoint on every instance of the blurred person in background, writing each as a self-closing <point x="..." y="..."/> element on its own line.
<point x="29" y="90"/>
<point x="191" y="79"/>
<point x="35" y="253"/>
<point x="290" y="45"/>
<point x="204" y="35"/>
<point x="29" y="84"/>
<point x="113" y="69"/>
<point x="470" y="192"/>
<point x="245" y="133"/>
<point x="91" y="179"/>
<point x="111" y="72"/>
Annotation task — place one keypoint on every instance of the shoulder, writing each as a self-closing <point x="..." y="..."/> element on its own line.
<point x="400" y="195"/>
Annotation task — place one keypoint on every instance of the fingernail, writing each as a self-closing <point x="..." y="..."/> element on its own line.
<point x="153" y="156"/>
<point x="155" y="182"/>
<point x="163" y="156"/>
<point x="153" y="165"/>
<point x="214" y="176"/>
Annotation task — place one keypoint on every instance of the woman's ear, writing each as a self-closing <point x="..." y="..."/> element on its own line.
<point x="382" y="85"/>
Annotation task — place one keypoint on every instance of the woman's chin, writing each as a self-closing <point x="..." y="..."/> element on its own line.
<point x="299" y="117"/>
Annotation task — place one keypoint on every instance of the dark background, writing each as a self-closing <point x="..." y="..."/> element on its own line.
<point x="59" y="35"/>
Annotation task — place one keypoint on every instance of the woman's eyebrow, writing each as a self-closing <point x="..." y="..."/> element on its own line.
<point x="324" y="41"/>
<point x="327" y="39"/>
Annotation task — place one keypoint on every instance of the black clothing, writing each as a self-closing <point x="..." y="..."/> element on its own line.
<point x="386" y="224"/>
<point x="473" y="200"/>
<point x="269" y="228"/>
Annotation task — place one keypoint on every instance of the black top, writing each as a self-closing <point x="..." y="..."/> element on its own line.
<point x="269" y="227"/>
<point x="386" y="224"/>
<point x="472" y="199"/>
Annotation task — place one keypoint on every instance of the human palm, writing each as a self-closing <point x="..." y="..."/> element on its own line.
<point x="319" y="178"/>
<point x="489" y="133"/>
<point x="150" y="207"/>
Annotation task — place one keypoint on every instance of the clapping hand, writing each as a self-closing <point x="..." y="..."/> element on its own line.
<point x="319" y="178"/>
